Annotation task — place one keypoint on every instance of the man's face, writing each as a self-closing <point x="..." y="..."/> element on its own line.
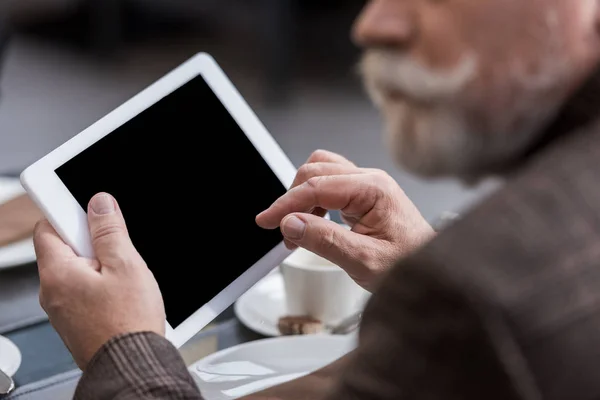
<point x="466" y="85"/>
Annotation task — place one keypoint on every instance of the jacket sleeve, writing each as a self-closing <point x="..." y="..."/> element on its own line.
<point x="137" y="366"/>
<point x="425" y="337"/>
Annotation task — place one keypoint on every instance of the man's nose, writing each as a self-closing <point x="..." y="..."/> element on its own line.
<point x="386" y="23"/>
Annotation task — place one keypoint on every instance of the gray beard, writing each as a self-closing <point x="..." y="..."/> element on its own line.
<point x="580" y="110"/>
<point x="468" y="155"/>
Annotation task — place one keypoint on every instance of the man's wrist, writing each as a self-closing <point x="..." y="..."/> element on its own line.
<point x="114" y="342"/>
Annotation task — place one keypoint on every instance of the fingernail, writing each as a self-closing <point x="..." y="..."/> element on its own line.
<point x="102" y="204"/>
<point x="293" y="228"/>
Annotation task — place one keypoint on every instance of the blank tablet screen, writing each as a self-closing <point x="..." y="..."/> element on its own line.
<point x="190" y="184"/>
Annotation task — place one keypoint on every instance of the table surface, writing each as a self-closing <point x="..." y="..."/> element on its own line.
<point x="45" y="355"/>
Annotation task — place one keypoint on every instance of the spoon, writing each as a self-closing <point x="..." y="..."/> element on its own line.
<point x="7" y="385"/>
<point x="347" y="325"/>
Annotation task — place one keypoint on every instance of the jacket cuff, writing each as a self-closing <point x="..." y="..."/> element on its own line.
<point x="137" y="365"/>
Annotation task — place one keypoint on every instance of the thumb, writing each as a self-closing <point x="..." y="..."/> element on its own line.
<point x="110" y="238"/>
<point x="327" y="239"/>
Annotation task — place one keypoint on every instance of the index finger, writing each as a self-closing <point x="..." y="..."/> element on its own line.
<point x="48" y="244"/>
<point x="354" y="194"/>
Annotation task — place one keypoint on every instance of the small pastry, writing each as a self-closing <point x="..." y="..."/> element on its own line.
<point x="299" y="325"/>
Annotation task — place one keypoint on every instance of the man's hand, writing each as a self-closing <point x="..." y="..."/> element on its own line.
<point x="91" y="301"/>
<point x="385" y="224"/>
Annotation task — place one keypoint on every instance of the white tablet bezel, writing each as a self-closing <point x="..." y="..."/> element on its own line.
<point x="70" y="220"/>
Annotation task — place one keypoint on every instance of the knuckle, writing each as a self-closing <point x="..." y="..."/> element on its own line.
<point x="42" y="298"/>
<point x="304" y="173"/>
<point x="51" y="304"/>
<point x="366" y="255"/>
<point x="314" y="182"/>
<point x="381" y="177"/>
<point x="327" y="240"/>
<point x="50" y="295"/>
<point x="318" y="155"/>
<point x="120" y="258"/>
<point x="367" y="258"/>
<point x="107" y="231"/>
<point x="382" y="174"/>
<point x="314" y="188"/>
<point x="369" y="192"/>
<point x="380" y="185"/>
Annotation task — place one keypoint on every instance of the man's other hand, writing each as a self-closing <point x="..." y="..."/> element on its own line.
<point x="89" y="301"/>
<point x="385" y="224"/>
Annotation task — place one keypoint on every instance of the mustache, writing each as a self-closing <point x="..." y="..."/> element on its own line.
<point x="385" y="70"/>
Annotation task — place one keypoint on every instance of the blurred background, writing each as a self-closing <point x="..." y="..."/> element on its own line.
<point x="66" y="63"/>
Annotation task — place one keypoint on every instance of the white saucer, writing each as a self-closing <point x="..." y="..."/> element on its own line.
<point x="21" y="252"/>
<point x="254" y="366"/>
<point x="10" y="356"/>
<point x="262" y="305"/>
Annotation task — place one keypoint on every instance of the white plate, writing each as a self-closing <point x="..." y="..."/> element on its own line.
<point x="261" y="307"/>
<point x="255" y="366"/>
<point x="10" y="188"/>
<point x="16" y="254"/>
<point x="21" y="252"/>
<point x="10" y="356"/>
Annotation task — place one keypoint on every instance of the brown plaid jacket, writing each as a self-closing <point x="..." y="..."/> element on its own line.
<point x="504" y="304"/>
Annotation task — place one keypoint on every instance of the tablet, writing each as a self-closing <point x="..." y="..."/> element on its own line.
<point x="191" y="166"/>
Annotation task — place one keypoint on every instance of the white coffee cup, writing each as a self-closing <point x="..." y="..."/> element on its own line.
<point x="318" y="288"/>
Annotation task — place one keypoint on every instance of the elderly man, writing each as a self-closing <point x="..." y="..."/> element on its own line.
<point x="501" y="305"/>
